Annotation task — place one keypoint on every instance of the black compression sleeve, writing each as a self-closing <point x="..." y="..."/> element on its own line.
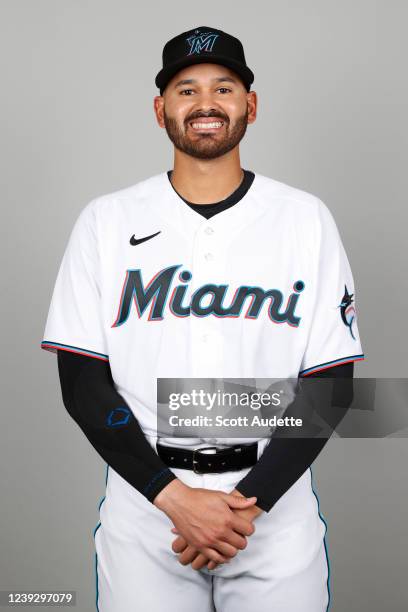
<point x="285" y="459"/>
<point x="91" y="399"/>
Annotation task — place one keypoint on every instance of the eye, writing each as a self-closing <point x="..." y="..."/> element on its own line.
<point x="224" y="88"/>
<point x="184" y="90"/>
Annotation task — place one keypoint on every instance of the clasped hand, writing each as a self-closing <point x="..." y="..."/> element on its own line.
<point x="211" y="526"/>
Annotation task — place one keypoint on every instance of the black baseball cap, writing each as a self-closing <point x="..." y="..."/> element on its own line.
<point x="201" y="45"/>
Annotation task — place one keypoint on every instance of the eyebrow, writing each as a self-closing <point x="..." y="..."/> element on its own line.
<point x="216" y="79"/>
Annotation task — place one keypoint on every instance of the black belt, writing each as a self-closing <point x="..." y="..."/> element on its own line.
<point x="228" y="459"/>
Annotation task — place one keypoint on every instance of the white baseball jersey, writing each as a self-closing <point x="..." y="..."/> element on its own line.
<point x="262" y="289"/>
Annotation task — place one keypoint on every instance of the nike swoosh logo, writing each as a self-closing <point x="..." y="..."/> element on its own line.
<point x="134" y="241"/>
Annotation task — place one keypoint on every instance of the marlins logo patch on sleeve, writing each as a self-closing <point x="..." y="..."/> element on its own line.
<point x="347" y="310"/>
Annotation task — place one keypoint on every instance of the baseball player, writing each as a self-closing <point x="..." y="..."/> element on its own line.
<point x="205" y="270"/>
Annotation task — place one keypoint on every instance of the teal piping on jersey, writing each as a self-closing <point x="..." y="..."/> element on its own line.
<point x="324" y="540"/>
<point x="329" y="364"/>
<point x="95" y="530"/>
<point x="54" y="346"/>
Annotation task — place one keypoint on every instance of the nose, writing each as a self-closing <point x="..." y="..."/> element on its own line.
<point x="205" y="103"/>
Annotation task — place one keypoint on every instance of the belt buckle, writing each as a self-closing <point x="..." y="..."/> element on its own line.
<point x="197" y="451"/>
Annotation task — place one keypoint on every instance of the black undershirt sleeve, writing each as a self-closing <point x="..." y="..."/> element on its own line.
<point x="91" y="399"/>
<point x="286" y="458"/>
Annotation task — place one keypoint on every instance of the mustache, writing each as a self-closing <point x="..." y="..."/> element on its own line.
<point x="210" y="114"/>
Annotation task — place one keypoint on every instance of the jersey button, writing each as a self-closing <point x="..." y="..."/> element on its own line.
<point x="209" y="230"/>
<point x="208" y="256"/>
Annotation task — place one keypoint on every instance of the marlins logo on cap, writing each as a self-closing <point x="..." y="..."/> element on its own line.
<point x="203" y="41"/>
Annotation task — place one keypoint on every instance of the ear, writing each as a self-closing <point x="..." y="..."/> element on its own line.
<point x="158" y="105"/>
<point x="252" y="99"/>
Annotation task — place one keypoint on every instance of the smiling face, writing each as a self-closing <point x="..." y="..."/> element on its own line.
<point x="205" y="110"/>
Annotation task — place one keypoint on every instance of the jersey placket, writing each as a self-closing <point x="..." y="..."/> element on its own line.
<point x="206" y="338"/>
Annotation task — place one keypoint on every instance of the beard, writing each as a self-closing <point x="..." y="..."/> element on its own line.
<point x="206" y="145"/>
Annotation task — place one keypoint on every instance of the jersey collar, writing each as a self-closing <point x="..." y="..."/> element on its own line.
<point x="184" y="218"/>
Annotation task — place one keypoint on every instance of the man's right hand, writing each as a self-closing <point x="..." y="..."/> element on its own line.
<point x="206" y="520"/>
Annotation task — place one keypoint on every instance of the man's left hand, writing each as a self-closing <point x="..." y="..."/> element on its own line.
<point x="189" y="554"/>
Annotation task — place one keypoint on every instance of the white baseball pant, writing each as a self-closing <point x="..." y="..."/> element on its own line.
<point x="284" y="567"/>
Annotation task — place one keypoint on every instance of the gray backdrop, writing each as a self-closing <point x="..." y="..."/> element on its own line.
<point x="77" y="122"/>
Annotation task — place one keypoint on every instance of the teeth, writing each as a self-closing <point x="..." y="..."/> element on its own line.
<point x="199" y="126"/>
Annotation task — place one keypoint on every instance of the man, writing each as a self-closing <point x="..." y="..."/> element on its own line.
<point x="208" y="270"/>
